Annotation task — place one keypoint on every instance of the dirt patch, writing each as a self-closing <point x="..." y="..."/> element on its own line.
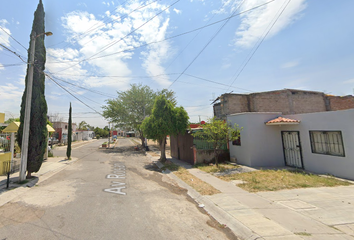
<point x="17" y="213"/>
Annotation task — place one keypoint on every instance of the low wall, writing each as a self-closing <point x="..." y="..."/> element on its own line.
<point x="207" y="156"/>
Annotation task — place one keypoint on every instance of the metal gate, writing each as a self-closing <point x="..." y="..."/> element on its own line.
<point x="292" y="149"/>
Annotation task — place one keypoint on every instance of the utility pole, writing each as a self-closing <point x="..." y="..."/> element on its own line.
<point x="26" y="126"/>
<point x="24" y="147"/>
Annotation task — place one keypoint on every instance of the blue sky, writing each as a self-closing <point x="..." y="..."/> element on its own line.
<point x="101" y="47"/>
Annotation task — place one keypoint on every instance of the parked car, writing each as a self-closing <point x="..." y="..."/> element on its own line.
<point x="55" y="141"/>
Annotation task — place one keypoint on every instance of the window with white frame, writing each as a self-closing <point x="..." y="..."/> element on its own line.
<point x="327" y="142"/>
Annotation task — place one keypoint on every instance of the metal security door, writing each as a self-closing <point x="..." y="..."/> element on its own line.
<point x="292" y="149"/>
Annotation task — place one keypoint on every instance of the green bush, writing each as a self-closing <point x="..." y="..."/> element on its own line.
<point x="98" y="136"/>
<point x="50" y="154"/>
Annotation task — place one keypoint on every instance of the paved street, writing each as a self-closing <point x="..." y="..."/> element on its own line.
<point x="107" y="194"/>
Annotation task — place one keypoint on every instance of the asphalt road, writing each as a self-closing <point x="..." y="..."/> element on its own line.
<point x="107" y="194"/>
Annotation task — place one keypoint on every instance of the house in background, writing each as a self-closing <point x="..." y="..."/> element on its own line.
<point x="61" y="130"/>
<point x="286" y="101"/>
<point x="84" y="135"/>
<point x="320" y="142"/>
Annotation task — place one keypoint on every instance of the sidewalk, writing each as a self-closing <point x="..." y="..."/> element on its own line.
<point x="312" y="213"/>
<point x="49" y="167"/>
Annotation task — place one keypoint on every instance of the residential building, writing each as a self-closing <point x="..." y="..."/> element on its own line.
<point x="320" y="142"/>
<point x="61" y="130"/>
<point x="286" y="101"/>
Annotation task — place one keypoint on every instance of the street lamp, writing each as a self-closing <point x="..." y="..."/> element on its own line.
<point x="26" y="127"/>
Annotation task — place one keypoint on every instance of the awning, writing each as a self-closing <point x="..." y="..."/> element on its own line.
<point x="13" y="127"/>
<point x="282" y="121"/>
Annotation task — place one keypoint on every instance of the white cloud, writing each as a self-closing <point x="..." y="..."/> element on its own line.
<point x="92" y="37"/>
<point x="290" y="64"/>
<point x="177" y="11"/>
<point x="350" y="81"/>
<point x="10" y="92"/>
<point x="4" y="38"/>
<point x="256" y="23"/>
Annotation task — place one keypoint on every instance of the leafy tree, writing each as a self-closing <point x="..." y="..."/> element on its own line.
<point x="131" y="107"/>
<point x="70" y="132"/>
<point x="218" y="132"/>
<point x="164" y="120"/>
<point x="101" y="132"/>
<point x="38" y="118"/>
<point x="82" y="125"/>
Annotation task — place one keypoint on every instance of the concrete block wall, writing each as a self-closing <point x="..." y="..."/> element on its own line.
<point x="276" y="101"/>
<point x="306" y="102"/>
<point x="236" y="103"/>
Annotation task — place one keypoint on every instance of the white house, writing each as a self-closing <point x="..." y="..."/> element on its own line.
<point x="85" y="134"/>
<point x="321" y="142"/>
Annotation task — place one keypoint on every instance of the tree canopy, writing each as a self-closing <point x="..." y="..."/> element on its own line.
<point x="38" y="118"/>
<point x="165" y="119"/>
<point x="218" y="132"/>
<point x="131" y="107"/>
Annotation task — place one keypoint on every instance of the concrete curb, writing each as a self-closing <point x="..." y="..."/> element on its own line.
<point x="239" y="229"/>
<point x="10" y="195"/>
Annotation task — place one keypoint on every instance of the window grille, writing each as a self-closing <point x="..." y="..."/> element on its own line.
<point x="327" y="142"/>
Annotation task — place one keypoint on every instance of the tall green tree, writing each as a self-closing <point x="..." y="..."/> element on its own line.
<point x="38" y="119"/>
<point x="131" y="107"/>
<point x="70" y="133"/>
<point x="219" y="133"/>
<point x="164" y="120"/>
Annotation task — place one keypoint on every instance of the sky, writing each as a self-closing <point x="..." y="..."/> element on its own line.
<point x="199" y="49"/>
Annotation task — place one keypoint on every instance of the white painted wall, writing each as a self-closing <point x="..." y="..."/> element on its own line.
<point x="332" y="121"/>
<point x="261" y="146"/>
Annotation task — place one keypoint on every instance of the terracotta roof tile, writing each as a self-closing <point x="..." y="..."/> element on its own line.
<point x="283" y="120"/>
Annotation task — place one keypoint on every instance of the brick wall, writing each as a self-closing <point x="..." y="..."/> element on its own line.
<point x="340" y="103"/>
<point x="276" y="101"/>
<point x="287" y="101"/>
<point x="307" y="102"/>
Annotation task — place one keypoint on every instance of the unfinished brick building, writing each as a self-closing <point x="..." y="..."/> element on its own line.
<point x="287" y="101"/>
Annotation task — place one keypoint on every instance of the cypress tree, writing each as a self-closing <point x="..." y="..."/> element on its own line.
<point x="70" y="132"/>
<point x="38" y="120"/>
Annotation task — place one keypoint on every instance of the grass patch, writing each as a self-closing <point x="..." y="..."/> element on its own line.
<point x="213" y="169"/>
<point x="199" y="185"/>
<point x="273" y="180"/>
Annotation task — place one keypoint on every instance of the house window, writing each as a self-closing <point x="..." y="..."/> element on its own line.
<point x="66" y="126"/>
<point x="327" y="142"/>
<point x="237" y="142"/>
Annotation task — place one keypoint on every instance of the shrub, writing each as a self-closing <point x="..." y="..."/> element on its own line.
<point x="98" y="136"/>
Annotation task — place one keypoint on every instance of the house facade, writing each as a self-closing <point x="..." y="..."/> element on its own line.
<point x="320" y="142"/>
<point x="61" y="130"/>
<point x="286" y="101"/>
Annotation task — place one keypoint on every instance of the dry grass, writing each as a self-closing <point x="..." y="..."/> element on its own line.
<point x="273" y="180"/>
<point x="213" y="169"/>
<point x="199" y="185"/>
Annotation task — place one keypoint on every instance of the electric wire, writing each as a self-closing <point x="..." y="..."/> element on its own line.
<point x="117" y="41"/>
<point x="13" y="38"/>
<point x="259" y="44"/>
<point x="72" y="94"/>
<point x="200" y="52"/>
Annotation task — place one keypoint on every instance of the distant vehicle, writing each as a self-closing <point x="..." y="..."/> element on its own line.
<point x="55" y="141"/>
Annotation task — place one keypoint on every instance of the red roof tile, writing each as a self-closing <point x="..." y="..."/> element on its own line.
<point x="282" y="120"/>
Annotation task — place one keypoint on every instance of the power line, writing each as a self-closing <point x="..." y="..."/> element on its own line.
<point x="72" y="94"/>
<point x="88" y="30"/>
<point x="115" y="42"/>
<point x="259" y="44"/>
<point x="18" y="55"/>
<point x="168" y="38"/>
<point x="13" y="38"/>
<point x="200" y="52"/>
